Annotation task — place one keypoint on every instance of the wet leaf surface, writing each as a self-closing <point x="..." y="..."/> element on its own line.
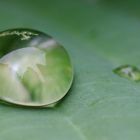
<point x="99" y="36"/>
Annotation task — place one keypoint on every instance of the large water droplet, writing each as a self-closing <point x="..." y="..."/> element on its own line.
<point x="129" y="72"/>
<point x="34" y="69"/>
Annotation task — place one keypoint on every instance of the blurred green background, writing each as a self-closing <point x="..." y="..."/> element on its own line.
<point x="99" y="36"/>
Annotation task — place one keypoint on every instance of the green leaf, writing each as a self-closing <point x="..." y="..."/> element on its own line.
<point x="99" y="36"/>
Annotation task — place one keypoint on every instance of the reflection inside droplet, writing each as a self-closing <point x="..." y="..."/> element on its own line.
<point x="18" y="60"/>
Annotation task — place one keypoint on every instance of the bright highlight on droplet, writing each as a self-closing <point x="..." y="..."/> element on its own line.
<point x="35" y="70"/>
<point x="129" y="72"/>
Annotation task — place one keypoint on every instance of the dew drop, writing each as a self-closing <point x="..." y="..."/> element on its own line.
<point x="128" y="71"/>
<point x="35" y="70"/>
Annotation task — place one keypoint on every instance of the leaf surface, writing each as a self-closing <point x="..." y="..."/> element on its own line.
<point x="99" y="36"/>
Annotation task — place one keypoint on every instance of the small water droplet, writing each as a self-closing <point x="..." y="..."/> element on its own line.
<point x="128" y="71"/>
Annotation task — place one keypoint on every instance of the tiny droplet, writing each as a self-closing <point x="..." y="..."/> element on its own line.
<point x="128" y="71"/>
